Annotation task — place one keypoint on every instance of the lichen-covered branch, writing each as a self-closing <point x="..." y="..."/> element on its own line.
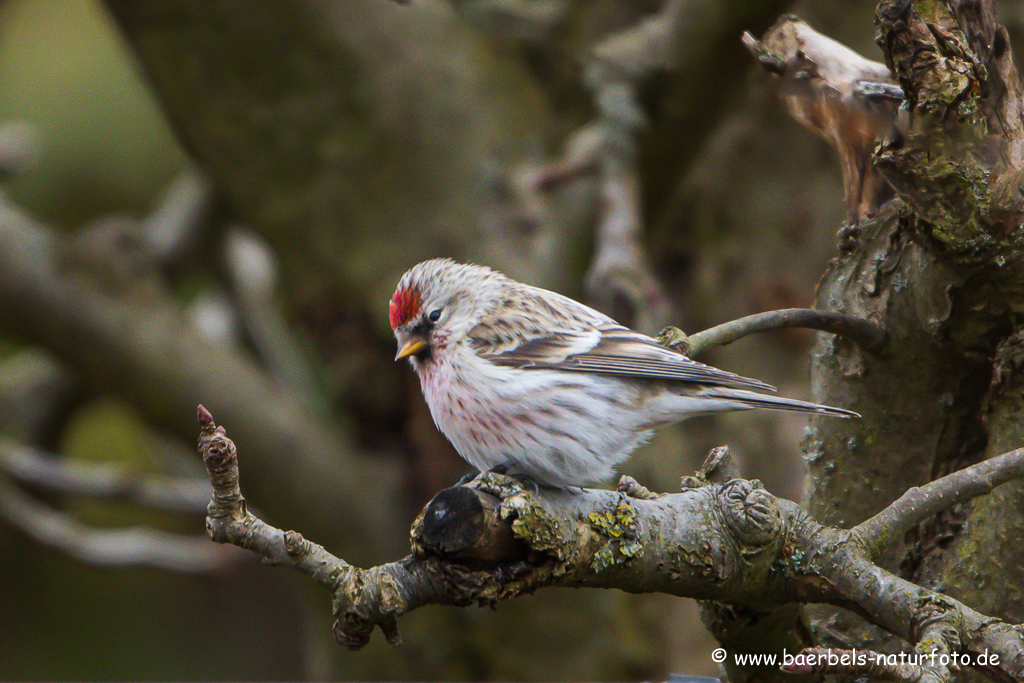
<point x="496" y="539"/>
<point x="958" y="160"/>
<point x="932" y="622"/>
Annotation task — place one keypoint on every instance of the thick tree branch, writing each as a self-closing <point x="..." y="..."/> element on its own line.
<point x="495" y="539"/>
<point x="941" y="268"/>
<point x="959" y="161"/>
<point x="931" y="621"/>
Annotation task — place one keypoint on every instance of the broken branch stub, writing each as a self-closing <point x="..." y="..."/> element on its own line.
<point x="848" y="100"/>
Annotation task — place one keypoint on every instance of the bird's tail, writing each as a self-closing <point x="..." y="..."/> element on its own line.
<point x="752" y="399"/>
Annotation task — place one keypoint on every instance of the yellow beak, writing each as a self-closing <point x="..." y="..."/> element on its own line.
<point x="411" y="348"/>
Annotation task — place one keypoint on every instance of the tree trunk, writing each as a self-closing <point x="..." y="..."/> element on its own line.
<point x="941" y="269"/>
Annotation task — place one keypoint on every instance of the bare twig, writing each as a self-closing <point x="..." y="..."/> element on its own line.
<point x="878" y="532"/>
<point x="175" y="225"/>
<point x="108" y="547"/>
<point x="254" y="273"/>
<point x="864" y="333"/>
<point x="634" y="489"/>
<point x="580" y="156"/>
<point x="228" y="520"/>
<point x="102" y="480"/>
<point x="173" y="228"/>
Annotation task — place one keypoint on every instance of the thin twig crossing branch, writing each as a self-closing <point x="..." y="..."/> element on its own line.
<point x="864" y="333"/>
<point x="921" y="502"/>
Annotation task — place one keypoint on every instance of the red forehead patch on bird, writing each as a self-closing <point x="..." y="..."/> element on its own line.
<point x="405" y="304"/>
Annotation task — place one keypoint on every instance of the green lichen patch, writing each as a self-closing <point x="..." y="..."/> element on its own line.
<point x="619" y="526"/>
<point x="534" y="525"/>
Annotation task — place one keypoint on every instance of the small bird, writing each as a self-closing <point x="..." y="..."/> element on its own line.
<point x="529" y="382"/>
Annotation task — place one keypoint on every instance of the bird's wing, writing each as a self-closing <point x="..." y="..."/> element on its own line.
<point x="567" y="335"/>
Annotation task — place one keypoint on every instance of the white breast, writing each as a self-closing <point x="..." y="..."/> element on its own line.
<point x="560" y="428"/>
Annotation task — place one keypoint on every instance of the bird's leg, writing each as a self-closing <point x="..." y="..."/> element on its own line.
<point x="501" y="468"/>
<point x="527" y="480"/>
<point x="524" y="479"/>
<point x="466" y="478"/>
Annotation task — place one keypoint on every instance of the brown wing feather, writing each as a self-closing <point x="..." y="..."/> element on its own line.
<point x="622" y="352"/>
<point x="520" y="335"/>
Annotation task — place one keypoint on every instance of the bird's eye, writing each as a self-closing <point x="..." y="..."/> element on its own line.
<point x="434" y="315"/>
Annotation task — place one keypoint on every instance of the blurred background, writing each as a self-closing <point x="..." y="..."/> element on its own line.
<point x="211" y="202"/>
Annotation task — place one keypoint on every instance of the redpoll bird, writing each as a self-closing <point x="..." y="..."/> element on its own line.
<point x="527" y="381"/>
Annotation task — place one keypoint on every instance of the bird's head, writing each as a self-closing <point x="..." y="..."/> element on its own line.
<point x="436" y="304"/>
